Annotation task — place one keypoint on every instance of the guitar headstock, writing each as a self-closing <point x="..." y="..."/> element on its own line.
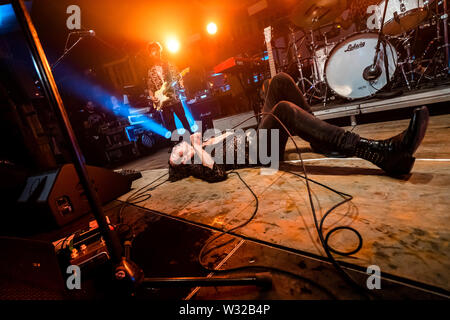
<point x="185" y="71"/>
<point x="268" y="34"/>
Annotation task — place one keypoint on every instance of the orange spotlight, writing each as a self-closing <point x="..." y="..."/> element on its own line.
<point x="173" y="45"/>
<point x="211" y="28"/>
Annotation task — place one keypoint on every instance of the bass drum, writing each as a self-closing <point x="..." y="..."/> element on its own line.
<point x="348" y="59"/>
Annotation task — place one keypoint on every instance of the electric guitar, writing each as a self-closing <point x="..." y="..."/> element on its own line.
<point x="162" y="94"/>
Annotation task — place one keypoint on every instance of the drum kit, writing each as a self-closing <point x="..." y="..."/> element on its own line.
<point x="361" y="64"/>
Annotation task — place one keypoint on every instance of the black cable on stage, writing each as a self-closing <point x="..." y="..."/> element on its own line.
<point x="249" y="267"/>
<point x="137" y="194"/>
<point x="319" y="226"/>
<point x="140" y="193"/>
<point x="342" y="194"/>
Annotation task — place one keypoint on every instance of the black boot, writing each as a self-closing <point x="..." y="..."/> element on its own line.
<point x="395" y="155"/>
<point x="316" y="148"/>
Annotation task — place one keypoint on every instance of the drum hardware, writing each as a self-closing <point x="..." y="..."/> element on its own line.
<point x="310" y="88"/>
<point x="313" y="15"/>
<point x="408" y="61"/>
<point x="316" y="76"/>
<point x="434" y="61"/>
<point x="400" y="21"/>
<point x="319" y="54"/>
<point x="334" y="32"/>
<point x="399" y="17"/>
<point x="293" y="42"/>
<point x="403" y="15"/>
<point x="446" y="44"/>
<point x="416" y="69"/>
<point x="440" y="58"/>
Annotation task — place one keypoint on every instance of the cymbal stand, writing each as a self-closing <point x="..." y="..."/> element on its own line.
<point x="316" y="80"/>
<point x="297" y="60"/>
<point x="406" y="43"/>
<point x="446" y="44"/>
<point x="326" y="54"/>
<point x="445" y="65"/>
<point x="315" y="72"/>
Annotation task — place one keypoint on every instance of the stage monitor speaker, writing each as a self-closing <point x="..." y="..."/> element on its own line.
<point x="57" y="196"/>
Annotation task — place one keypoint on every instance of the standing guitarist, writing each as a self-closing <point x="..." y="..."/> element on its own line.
<point x="162" y="73"/>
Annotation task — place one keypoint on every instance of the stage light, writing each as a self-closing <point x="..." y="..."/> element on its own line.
<point x="180" y="129"/>
<point x="173" y="45"/>
<point x="188" y="115"/>
<point x="80" y="87"/>
<point x="211" y="28"/>
<point x="194" y="128"/>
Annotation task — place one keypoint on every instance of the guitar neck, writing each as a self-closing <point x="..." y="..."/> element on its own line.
<point x="268" y="39"/>
<point x="178" y="78"/>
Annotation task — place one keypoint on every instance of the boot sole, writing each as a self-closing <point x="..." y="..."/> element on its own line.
<point x="403" y="167"/>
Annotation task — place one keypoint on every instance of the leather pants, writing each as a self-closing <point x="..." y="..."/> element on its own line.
<point x="285" y="100"/>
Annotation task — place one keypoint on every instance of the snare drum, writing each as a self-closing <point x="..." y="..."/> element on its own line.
<point x="320" y="58"/>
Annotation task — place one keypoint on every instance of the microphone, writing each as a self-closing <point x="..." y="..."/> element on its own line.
<point x="89" y="33"/>
<point x="372" y="72"/>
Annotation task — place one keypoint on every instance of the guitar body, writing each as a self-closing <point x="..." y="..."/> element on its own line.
<point x="162" y="94"/>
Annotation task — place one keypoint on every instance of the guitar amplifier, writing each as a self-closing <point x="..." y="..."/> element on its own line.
<point x="206" y="111"/>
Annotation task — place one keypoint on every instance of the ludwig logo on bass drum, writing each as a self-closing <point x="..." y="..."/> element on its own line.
<point x="355" y="46"/>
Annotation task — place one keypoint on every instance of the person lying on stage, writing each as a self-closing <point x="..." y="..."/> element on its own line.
<point x="286" y="102"/>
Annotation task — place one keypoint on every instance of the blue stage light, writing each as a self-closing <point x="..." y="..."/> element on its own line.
<point x="194" y="128"/>
<point x="188" y="114"/>
<point x="88" y="91"/>
<point x="180" y="129"/>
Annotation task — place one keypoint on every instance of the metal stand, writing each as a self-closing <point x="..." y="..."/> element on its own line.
<point x="126" y="270"/>
<point x="317" y="79"/>
<point x="297" y="60"/>
<point x="373" y="72"/>
<point x="446" y="44"/>
<point x="66" y="51"/>
<point x="435" y="60"/>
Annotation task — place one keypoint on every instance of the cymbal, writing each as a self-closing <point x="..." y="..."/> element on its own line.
<point x="311" y="14"/>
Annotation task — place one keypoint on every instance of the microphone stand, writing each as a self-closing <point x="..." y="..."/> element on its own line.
<point x="373" y="72"/>
<point x="126" y="271"/>
<point x="66" y="51"/>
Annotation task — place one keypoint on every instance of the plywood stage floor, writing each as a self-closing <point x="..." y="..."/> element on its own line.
<point x="405" y="224"/>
